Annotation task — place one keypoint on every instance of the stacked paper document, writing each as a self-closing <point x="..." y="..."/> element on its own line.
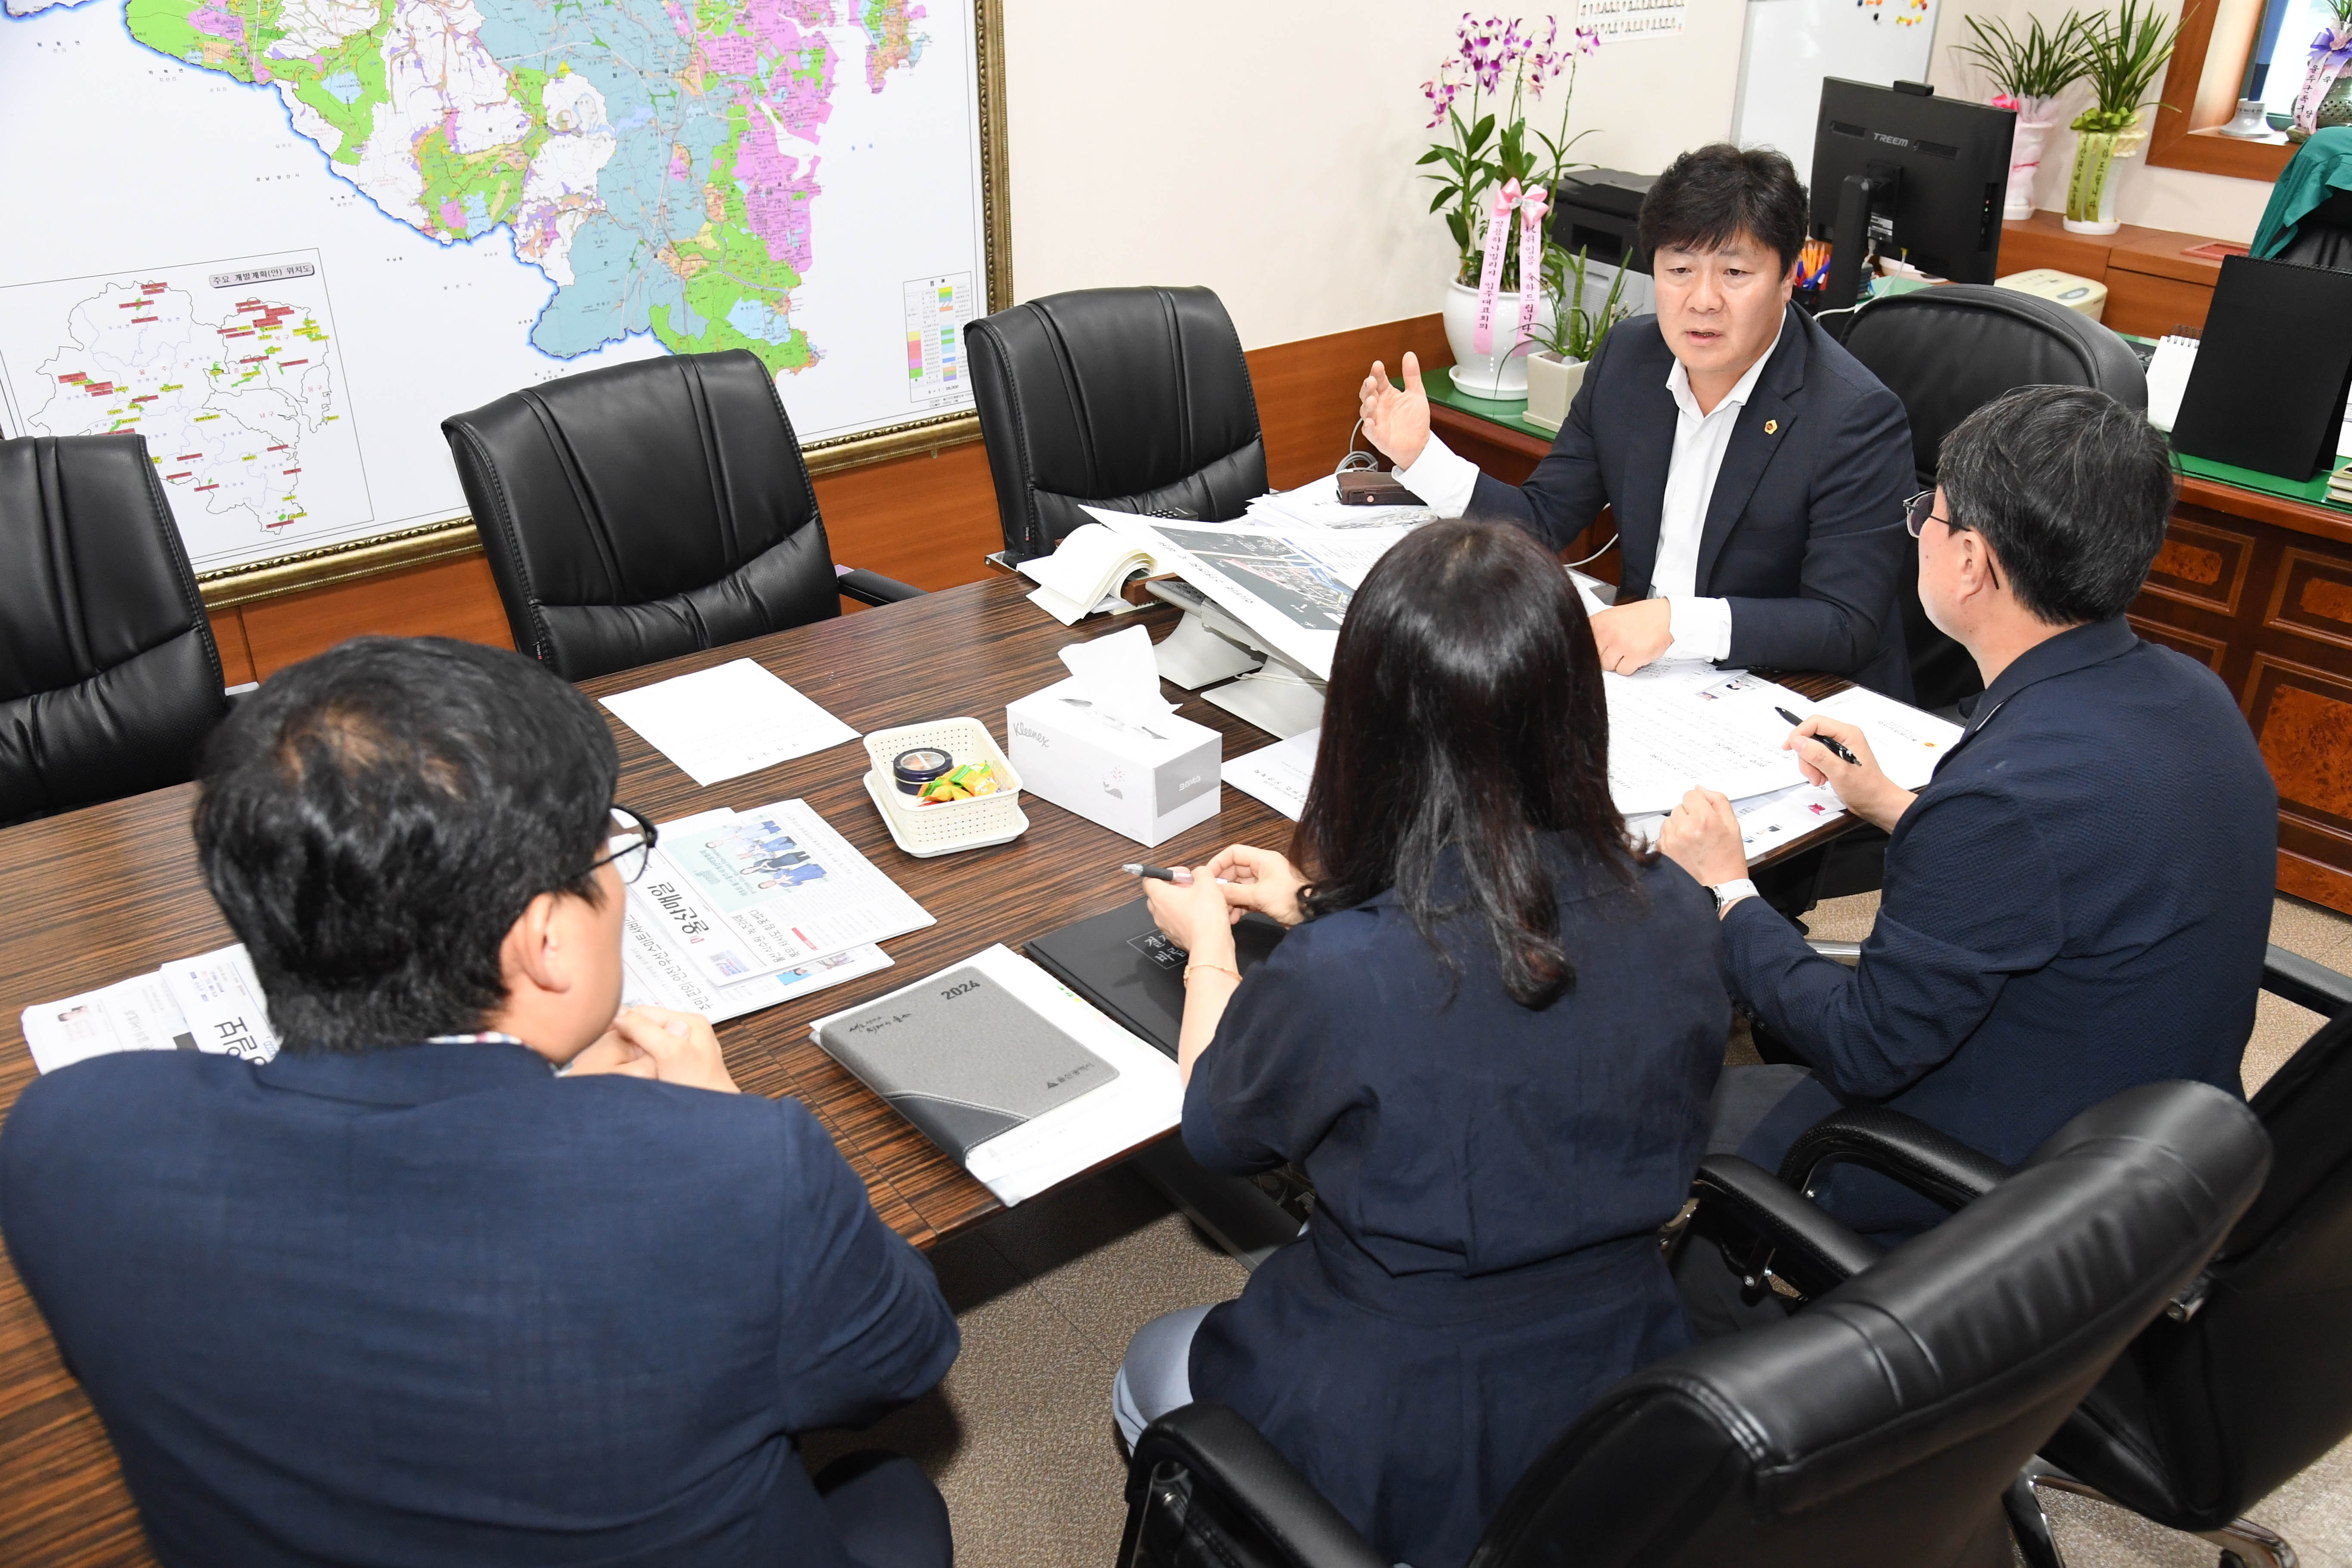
<point x="210" y="1003"/>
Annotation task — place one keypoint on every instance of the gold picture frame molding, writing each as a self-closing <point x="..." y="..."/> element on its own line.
<point x="329" y="564"/>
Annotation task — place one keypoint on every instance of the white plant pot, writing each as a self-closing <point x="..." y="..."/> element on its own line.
<point x="2025" y="164"/>
<point x="1552" y="382"/>
<point x="1501" y="376"/>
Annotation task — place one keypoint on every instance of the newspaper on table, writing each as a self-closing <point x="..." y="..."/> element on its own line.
<point x="744" y="894"/>
<point x="209" y="1003"/>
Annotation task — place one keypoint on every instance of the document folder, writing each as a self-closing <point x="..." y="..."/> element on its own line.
<point x="1121" y="964"/>
<point x="2273" y="368"/>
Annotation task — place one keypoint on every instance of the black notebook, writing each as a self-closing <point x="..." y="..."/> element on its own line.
<point x="1121" y="964"/>
<point x="2274" y="367"/>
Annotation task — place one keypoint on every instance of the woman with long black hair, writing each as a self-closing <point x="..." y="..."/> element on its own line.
<point x="1489" y="1039"/>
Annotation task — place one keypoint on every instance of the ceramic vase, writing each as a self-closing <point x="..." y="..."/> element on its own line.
<point x="2091" y="188"/>
<point x="2034" y="123"/>
<point x="1552" y="382"/>
<point x="1501" y="376"/>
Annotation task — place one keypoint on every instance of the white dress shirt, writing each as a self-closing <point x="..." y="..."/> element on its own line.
<point x="1701" y="627"/>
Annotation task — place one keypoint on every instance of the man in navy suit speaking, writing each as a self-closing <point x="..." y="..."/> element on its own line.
<point x="1756" y="470"/>
<point x="404" y="1295"/>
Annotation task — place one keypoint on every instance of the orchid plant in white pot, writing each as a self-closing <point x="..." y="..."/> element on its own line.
<point x="1496" y="178"/>
<point x="1556" y="369"/>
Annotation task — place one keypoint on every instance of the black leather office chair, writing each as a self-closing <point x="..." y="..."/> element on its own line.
<point x="648" y="509"/>
<point x="1946" y="353"/>
<point x="1137" y="399"/>
<point x="2324" y="235"/>
<point x="2247" y="1379"/>
<point x="109" y="678"/>
<point x="1879" y="1425"/>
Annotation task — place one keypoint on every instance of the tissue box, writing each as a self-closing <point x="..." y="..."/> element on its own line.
<point x="1149" y="778"/>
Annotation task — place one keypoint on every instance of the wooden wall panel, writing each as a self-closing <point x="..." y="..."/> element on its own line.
<point x="2202" y="565"/>
<point x="228" y="636"/>
<point x="1306" y="391"/>
<point x="926" y="520"/>
<point x="449" y="599"/>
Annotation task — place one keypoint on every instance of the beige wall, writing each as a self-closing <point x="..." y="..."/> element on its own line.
<point x="1266" y="149"/>
<point x="2160" y="198"/>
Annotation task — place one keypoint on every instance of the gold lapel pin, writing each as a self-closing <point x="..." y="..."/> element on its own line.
<point x="1771" y="426"/>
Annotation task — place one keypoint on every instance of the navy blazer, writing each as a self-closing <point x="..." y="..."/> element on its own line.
<point x="1804" y="529"/>
<point x="434" y="1305"/>
<point x="1483" y="1260"/>
<point x="2077" y="903"/>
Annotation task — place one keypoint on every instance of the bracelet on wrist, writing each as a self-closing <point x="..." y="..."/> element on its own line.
<point x="1214" y="969"/>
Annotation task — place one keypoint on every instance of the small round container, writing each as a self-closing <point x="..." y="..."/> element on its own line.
<point x="918" y="766"/>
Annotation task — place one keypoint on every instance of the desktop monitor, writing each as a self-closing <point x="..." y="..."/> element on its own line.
<point x="1901" y="172"/>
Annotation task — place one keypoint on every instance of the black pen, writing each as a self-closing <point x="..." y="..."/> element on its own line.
<point x="1836" y="749"/>
<point x="1179" y="876"/>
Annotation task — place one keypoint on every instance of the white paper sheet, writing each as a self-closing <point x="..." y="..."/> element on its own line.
<point x="1673" y="730"/>
<point x="1144" y="1101"/>
<point x="1907" y="742"/>
<point x="1278" y="774"/>
<point x="1120" y="674"/>
<point x="748" y="894"/>
<point x="135" y="1015"/>
<point x="721" y="723"/>
<point x="657" y="974"/>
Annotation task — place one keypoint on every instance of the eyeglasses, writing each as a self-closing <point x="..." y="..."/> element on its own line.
<point x="635" y="839"/>
<point x="1920" y="508"/>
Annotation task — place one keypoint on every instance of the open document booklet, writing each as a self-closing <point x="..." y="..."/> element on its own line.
<point x="737" y="911"/>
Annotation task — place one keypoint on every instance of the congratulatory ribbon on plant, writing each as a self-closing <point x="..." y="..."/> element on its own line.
<point x="2104" y="135"/>
<point x="1532" y="208"/>
<point x="2331" y="53"/>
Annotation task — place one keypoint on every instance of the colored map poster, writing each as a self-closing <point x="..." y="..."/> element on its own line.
<point x="229" y="371"/>
<point x="500" y="192"/>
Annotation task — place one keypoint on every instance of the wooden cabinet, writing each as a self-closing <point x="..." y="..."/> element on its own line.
<point x="2260" y="590"/>
<point x="2153" y="286"/>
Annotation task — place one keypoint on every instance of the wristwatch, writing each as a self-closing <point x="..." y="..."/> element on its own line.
<point x="1727" y="892"/>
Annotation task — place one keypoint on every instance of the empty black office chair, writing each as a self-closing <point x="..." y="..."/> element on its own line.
<point x="1879" y="1425"/>
<point x="109" y="678"/>
<point x="648" y="509"/>
<point x="1946" y="353"/>
<point x="1137" y="399"/>
<point x="2247" y="1379"/>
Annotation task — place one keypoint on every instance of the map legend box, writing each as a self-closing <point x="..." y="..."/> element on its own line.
<point x="937" y="311"/>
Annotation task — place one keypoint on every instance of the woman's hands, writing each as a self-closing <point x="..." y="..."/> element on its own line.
<point x="1258" y="879"/>
<point x="1195" y="917"/>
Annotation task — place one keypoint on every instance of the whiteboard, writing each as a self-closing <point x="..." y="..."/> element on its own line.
<point x="284" y="243"/>
<point x="1789" y="45"/>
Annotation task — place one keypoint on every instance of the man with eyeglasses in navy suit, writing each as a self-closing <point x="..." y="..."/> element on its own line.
<point x="409" y="1293"/>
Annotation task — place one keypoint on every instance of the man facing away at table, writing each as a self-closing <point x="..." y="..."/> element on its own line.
<point x="2077" y="902"/>
<point x="406" y="1295"/>
<point x="1756" y="469"/>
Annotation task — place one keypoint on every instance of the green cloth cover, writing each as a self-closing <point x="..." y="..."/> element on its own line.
<point x="2320" y="168"/>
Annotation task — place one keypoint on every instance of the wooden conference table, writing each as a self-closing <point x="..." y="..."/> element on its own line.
<point x="113" y="891"/>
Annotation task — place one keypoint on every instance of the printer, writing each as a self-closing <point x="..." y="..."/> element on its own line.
<point x="1594" y="210"/>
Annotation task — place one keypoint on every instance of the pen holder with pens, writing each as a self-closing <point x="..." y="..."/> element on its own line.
<point x="942" y="828"/>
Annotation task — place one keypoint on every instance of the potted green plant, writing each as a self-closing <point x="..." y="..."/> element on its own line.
<point x="2122" y="52"/>
<point x="1497" y="169"/>
<point x="2028" y="74"/>
<point x="1568" y="342"/>
<point x="2326" y="98"/>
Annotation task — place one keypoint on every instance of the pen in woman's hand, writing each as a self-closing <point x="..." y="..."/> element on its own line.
<point x="1178" y="874"/>
<point x="1836" y="749"/>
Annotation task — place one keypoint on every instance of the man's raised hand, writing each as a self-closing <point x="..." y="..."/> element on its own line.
<point x="1396" y="421"/>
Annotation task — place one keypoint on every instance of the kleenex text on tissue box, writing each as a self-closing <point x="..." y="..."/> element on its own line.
<point x="1104" y="744"/>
